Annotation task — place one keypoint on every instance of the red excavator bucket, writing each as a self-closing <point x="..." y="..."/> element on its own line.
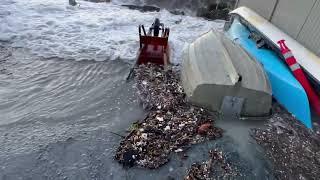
<point x="154" y="48"/>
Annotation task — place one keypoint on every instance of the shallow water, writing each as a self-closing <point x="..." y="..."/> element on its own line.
<point x="57" y="113"/>
<point x="48" y="102"/>
<point x="57" y="119"/>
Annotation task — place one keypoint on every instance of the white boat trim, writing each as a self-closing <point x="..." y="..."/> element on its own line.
<point x="307" y="59"/>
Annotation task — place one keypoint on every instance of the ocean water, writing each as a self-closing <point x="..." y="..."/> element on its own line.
<point x="91" y="31"/>
<point x="63" y="92"/>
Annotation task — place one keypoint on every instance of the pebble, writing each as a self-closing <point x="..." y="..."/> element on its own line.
<point x="178" y="150"/>
<point x="167" y="128"/>
<point x="159" y="118"/>
<point x="286" y="140"/>
<point x="144" y="135"/>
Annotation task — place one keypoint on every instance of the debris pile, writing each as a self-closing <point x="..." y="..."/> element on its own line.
<point x="159" y="89"/>
<point x="293" y="149"/>
<point x="215" y="168"/>
<point x="172" y="124"/>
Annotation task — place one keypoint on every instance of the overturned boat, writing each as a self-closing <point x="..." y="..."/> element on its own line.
<point x="260" y="39"/>
<point x="219" y="75"/>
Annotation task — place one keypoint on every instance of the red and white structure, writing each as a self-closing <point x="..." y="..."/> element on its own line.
<point x="300" y="76"/>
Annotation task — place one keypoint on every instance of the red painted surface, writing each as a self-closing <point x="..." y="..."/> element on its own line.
<point x="154" y="49"/>
<point x="300" y="76"/>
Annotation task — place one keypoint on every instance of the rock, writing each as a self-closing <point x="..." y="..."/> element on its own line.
<point x="167" y="128"/>
<point x="177" y="12"/>
<point x="99" y="1"/>
<point x="178" y="22"/>
<point x="215" y="11"/>
<point x="144" y="8"/>
<point x="129" y="158"/>
<point x="159" y="118"/>
<point x="72" y="2"/>
<point x="178" y="150"/>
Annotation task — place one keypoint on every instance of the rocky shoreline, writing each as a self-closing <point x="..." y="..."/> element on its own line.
<point x="210" y="10"/>
<point x="216" y="10"/>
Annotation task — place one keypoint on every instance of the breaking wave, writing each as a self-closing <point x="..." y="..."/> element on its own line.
<point x="91" y="31"/>
<point x="189" y="6"/>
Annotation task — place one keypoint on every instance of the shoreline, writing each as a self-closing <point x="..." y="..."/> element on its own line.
<point x="276" y="133"/>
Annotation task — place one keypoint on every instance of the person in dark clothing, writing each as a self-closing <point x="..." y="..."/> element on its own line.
<point x="72" y="2"/>
<point x="156" y="27"/>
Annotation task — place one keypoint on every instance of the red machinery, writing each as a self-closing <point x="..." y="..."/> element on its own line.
<point x="153" y="48"/>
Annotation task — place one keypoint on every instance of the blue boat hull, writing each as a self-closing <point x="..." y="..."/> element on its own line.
<point x="285" y="88"/>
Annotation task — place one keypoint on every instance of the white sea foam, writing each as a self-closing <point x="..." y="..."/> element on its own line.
<point x="51" y="28"/>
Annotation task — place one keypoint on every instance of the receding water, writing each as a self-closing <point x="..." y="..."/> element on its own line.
<point x="57" y="120"/>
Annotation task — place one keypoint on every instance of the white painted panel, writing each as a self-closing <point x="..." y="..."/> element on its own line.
<point x="310" y="33"/>
<point x="290" y="15"/>
<point x="263" y="7"/>
<point x="308" y="60"/>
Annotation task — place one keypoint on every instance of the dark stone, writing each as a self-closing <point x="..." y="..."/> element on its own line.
<point x="215" y="11"/>
<point x="98" y="1"/>
<point x="145" y="8"/>
<point x="128" y="158"/>
<point x="72" y="2"/>
<point x="177" y="12"/>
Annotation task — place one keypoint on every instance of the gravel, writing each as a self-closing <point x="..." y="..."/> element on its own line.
<point x="293" y="149"/>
